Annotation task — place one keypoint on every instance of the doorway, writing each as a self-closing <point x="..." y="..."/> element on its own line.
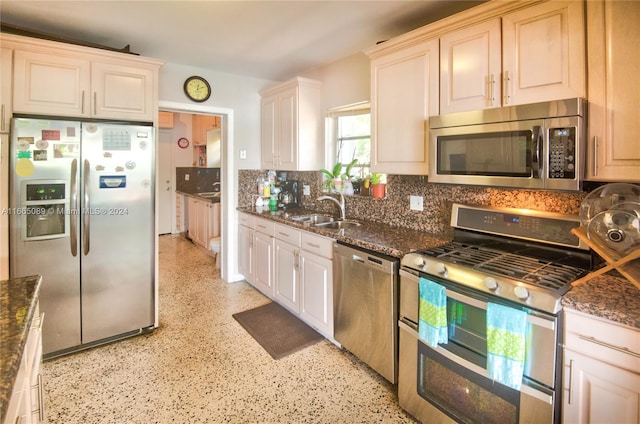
<point x="228" y="236"/>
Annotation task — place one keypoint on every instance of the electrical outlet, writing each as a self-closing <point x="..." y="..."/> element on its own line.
<point x="416" y="203"/>
<point x="306" y="189"/>
<point x="186" y="177"/>
<point x="243" y="153"/>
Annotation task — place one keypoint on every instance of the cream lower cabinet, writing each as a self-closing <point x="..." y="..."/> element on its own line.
<point x="304" y="276"/>
<point x="291" y="266"/>
<point x="529" y="55"/>
<point x="264" y="252"/>
<point x="601" y="377"/>
<point x="246" y="254"/>
<point x="614" y="90"/>
<point x="316" y="282"/>
<point x="287" y="274"/>
<point x="404" y="93"/>
<point x="255" y="252"/>
<point x="26" y="404"/>
<point x="88" y="82"/>
<point x="204" y="221"/>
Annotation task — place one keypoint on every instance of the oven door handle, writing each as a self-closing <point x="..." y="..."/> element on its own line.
<point x="531" y="319"/>
<point x="466" y="300"/>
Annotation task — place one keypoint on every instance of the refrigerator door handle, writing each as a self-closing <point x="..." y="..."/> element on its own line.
<point x="87" y="209"/>
<point x="73" y="237"/>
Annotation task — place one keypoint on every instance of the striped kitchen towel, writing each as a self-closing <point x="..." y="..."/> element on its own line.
<point x="432" y="324"/>
<point x="506" y="340"/>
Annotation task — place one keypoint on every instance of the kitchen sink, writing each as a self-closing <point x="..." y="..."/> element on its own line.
<point x="313" y="219"/>
<point x="338" y="225"/>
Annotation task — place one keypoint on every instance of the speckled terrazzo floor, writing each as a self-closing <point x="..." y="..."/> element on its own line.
<point x="200" y="366"/>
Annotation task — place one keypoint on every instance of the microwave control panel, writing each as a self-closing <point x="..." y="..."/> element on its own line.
<point x="562" y="153"/>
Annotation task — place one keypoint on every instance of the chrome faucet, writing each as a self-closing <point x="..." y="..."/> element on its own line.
<point x="340" y="204"/>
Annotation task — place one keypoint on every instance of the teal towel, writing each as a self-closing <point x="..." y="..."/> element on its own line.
<point x="432" y="324"/>
<point x="506" y="339"/>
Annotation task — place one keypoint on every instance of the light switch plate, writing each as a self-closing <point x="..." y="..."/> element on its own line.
<point x="306" y="189"/>
<point x="186" y="177"/>
<point x="416" y="203"/>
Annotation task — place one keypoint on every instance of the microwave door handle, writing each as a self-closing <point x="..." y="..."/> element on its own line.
<point x="536" y="151"/>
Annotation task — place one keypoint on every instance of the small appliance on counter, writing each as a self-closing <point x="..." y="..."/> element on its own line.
<point x="288" y="196"/>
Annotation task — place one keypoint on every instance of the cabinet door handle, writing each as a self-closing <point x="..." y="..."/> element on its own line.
<point x="317" y="246"/>
<point x="39" y="386"/>
<point x="570" y="388"/>
<point x="492" y="90"/>
<point x="82" y="103"/>
<point x="620" y="349"/>
<point x="2" y="122"/>
<point x="595" y="155"/>
<point x="507" y="83"/>
<point x="95" y="102"/>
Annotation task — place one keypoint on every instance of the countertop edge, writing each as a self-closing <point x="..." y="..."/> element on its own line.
<point x="17" y="350"/>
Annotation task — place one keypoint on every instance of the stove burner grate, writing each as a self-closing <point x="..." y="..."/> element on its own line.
<point x="538" y="272"/>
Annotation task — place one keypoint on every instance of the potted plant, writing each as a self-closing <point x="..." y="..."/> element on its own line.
<point x="333" y="177"/>
<point x="336" y="180"/>
<point x="378" y="185"/>
<point x="348" y="178"/>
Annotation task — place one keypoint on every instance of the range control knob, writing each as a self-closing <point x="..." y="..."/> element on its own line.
<point x="491" y="283"/>
<point x="440" y="268"/>
<point x="521" y="292"/>
<point x="418" y="261"/>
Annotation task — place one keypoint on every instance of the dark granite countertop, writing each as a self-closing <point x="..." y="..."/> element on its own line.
<point x="18" y="298"/>
<point x="609" y="297"/>
<point x="381" y="238"/>
<point x="211" y="199"/>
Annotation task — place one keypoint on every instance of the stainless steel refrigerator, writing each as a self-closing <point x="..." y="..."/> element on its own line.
<point x="82" y="216"/>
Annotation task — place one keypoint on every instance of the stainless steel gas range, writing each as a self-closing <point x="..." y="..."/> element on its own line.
<point x="519" y="259"/>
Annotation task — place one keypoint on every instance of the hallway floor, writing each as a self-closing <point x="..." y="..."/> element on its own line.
<point x="200" y="366"/>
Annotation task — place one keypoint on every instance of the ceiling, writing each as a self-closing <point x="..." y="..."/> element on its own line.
<point x="272" y="40"/>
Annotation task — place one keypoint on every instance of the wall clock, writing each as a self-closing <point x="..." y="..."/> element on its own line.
<point x="197" y="88"/>
<point x="183" y="143"/>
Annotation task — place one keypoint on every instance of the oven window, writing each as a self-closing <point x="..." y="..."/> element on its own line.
<point x="467" y="332"/>
<point x="462" y="394"/>
<point x="503" y="154"/>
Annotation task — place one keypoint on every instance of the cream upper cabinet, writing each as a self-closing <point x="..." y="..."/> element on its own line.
<point x="6" y="89"/>
<point x="530" y="55"/>
<point x="543" y="53"/>
<point x="122" y="91"/>
<point x="35" y="91"/>
<point x="404" y="93"/>
<point x="470" y="68"/>
<point x="614" y="90"/>
<point x="292" y="126"/>
<point x="60" y="79"/>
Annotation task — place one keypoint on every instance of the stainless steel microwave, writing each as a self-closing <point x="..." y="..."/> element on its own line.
<point x="533" y="146"/>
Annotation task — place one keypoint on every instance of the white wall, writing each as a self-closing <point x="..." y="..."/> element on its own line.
<point x="345" y="82"/>
<point x="228" y="91"/>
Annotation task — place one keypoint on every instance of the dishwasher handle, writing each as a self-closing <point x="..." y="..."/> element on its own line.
<point x="367" y="258"/>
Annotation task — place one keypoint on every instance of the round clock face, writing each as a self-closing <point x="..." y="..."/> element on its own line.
<point x="197" y="89"/>
<point x="183" y="143"/>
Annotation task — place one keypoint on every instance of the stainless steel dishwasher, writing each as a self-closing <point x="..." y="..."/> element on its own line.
<point x="365" y="287"/>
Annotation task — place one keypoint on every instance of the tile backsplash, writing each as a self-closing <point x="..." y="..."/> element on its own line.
<point x="197" y="180"/>
<point x="394" y="209"/>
